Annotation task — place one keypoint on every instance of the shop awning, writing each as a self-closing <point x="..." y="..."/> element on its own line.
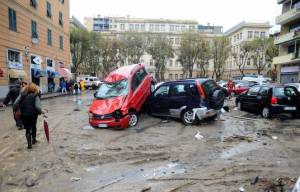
<point x="64" y="72"/>
<point x="15" y="73"/>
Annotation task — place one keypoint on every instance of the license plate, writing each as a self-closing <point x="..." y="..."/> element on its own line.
<point x="102" y="125"/>
<point x="290" y="108"/>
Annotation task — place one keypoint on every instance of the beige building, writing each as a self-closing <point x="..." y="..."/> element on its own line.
<point x="34" y="42"/>
<point x="172" y="28"/>
<point x="237" y="35"/>
<point x="288" y="62"/>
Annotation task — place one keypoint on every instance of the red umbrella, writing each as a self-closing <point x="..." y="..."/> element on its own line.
<point x="46" y="129"/>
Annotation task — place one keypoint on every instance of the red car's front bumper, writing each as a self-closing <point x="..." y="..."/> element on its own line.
<point x="110" y="123"/>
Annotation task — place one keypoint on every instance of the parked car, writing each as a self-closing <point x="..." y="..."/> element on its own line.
<point x="270" y="99"/>
<point x="242" y="86"/>
<point x="296" y="85"/>
<point x="120" y="98"/>
<point x="90" y="82"/>
<point x="223" y="83"/>
<point x="189" y="100"/>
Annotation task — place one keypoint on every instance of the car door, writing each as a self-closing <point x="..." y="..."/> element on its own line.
<point x="250" y="99"/>
<point x="159" y="100"/>
<point x="264" y="96"/>
<point x="137" y="96"/>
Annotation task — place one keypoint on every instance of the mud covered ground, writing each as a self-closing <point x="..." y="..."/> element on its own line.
<point x="157" y="155"/>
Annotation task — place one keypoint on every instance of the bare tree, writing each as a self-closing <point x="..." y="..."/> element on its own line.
<point x="241" y="56"/>
<point x="220" y="54"/>
<point x="161" y="50"/>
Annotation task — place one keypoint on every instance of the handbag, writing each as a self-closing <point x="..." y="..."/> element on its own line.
<point x="18" y="113"/>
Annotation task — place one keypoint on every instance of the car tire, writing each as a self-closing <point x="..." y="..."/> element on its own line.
<point x="187" y="117"/>
<point x="217" y="99"/>
<point x="266" y="112"/>
<point x="133" y="120"/>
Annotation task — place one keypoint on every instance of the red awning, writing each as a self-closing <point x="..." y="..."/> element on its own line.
<point x="1" y="73"/>
<point x="64" y="72"/>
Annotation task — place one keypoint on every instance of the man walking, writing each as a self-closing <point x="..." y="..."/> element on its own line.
<point x="12" y="95"/>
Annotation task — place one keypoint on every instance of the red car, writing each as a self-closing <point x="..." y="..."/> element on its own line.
<point x="120" y="98"/>
<point x="240" y="88"/>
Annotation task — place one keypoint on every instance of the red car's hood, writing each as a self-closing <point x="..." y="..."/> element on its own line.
<point x="107" y="106"/>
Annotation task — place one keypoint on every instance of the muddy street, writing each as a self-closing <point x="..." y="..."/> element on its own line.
<point x="156" y="155"/>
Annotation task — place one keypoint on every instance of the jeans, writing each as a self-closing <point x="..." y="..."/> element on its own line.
<point x="63" y="90"/>
<point x="29" y="123"/>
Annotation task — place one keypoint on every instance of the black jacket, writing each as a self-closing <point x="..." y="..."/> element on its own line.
<point x="12" y="95"/>
<point x="30" y="104"/>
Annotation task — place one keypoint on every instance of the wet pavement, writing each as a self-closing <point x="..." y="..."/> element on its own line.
<point x="157" y="155"/>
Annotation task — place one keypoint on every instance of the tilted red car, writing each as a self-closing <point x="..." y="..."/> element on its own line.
<point x="119" y="99"/>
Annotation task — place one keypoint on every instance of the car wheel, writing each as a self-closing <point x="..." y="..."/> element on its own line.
<point x="239" y="106"/>
<point x="133" y="119"/>
<point x="187" y="117"/>
<point x="266" y="112"/>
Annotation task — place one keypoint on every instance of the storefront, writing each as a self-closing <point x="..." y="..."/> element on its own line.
<point x="289" y="74"/>
<point x="15" y="66"/>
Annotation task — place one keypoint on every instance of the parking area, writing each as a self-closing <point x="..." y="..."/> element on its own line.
<point x="238" y="150"/>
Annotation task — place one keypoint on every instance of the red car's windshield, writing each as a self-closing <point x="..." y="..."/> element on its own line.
<point x="116" y="89"/>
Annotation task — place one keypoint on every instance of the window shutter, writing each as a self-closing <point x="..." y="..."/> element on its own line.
<point x="14" y="20"/>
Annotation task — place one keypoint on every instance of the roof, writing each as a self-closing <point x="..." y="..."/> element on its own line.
<point x="245" y="24"/>
<point x="201" y="80"/>
<point x="121" y="73"/>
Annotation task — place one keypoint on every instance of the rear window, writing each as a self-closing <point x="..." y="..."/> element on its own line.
<point x="282" y="92"/>
<point x="209" y="87"/>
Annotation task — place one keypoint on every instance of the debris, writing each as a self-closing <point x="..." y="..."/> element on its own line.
<point x="242" y="189"/>
<point x="30" y="182"/>
<point x="146" y="189"/>
<point x="238" y="137"/>
<point x="274" y="137"/>
<point x="254" y="180"/>
<point x="198" y="136"/>
<point x="165" y="121"/>
<point x="235" y="109"/>
<point x="297" y="186"/>
<point x="75" y="179"/>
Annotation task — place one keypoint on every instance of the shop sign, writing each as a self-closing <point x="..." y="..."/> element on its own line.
<point x="290" y="69"/>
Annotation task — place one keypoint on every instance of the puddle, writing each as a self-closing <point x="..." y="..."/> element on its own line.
<point x="239" y="149"/>
<point x="87" y="127"/>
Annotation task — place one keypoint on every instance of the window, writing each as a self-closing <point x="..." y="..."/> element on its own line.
<point x="250" y="34"/>
<point x="151" y="27"/>
<point x="170" y="62"/>
<point x="142" y="27"/>
<point x="162" y="91"/>
<point x="162" y="27"/>
<point x="138" y="78"/>
<point x="13" y="56"/>
<point x="179" y="90"/>
<point x="131" y="27"/>
<point x="34" y="59"/>
<point x="60" y="19"/>
<point x="183" y="28"/>
<point x="12" y="19"/>
<point x="34" y="33"/>
<point x="61" y="42"/>
<point x="253" y="91"/>
<point x="122" y="26"/>
<point x="248" y="61"/>
<point x="264" y="91"/>
<point x="49" y="35"/>
<point x="62" y="1"/>
<point x="137" y="27"/>
<point x="50" y="62"/>
<point x="156" y="27"/>
<point x="262" y="34"/>
<point x="177" y="27"/>
<point x="49" y="14"/>
<point x="176" y="76"/>
<point x="256" y="34"/>
<point x="241" y="36"/>
<point x="33" y="3"/>
<point x="172" y="28"/>
<point x="170" y="76"/>
<point x="181" y="76"/>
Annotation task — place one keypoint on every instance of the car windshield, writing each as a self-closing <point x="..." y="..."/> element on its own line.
<point x="107" y="90"/>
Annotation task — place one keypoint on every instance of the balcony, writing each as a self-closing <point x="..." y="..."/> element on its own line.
<point x="284" y="38"/>
<point x="286" y="59"/>
<point x="281" y="1"/>
<point x="288" y="16"/>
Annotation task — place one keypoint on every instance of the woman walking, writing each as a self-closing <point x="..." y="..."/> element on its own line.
<point x="30" y="105"/>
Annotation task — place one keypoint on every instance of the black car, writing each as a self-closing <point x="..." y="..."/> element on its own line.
<point x="270" y="99"/>
<point x="190" y="100"/>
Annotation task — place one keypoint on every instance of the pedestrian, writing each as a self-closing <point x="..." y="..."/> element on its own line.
<point x="76" y="88"/>
<point x="12" y="95"/>
<point x="230" y="87"/>
<point x="82" y="86"/>
<point x="63" y="86"/>
<point x="30" y="106"/>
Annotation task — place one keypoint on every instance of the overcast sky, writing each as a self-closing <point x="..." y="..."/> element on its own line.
<point x="226" y="13"/>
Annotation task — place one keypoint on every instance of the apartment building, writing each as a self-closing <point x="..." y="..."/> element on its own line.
<point x="34" y="42"/>
<point x="172" y="28"/>
<point x="237" y="35"/>
<point x="288" y="62"/>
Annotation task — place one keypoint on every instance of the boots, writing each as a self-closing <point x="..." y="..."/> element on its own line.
<point x="33" y="138"/>
<point x="28" y="137"/>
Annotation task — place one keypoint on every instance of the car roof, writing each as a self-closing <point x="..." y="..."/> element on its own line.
<point x="201" y="80"/>
<point x="122" y="72"/>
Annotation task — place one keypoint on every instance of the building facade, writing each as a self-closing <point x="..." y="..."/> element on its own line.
<point x="288" y="62"/>
<point x="34" y="42"/>
<point x="172" y="28"/>
<point x="237" y="35"/>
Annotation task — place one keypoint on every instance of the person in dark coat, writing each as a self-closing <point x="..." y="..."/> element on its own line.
<point x="30" y="105"/>
<point x="12" y="95"/>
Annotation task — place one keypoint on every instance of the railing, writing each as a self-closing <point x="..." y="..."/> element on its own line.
<point x="284" y="38"/>
<point x="287" y="16"/>
<point x="284" y="58"/>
